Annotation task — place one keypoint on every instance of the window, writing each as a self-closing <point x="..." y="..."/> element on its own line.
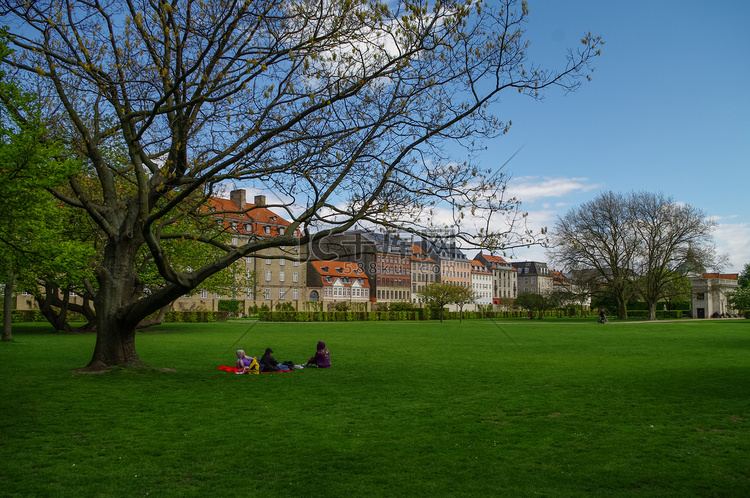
<point x="267" y="230"/>
<point x="282" y="262"/>
<point x="294" y="294"/>
<point x="281" y="276"/>
<point x="248" y="293"/>
<point x="296" y="263"/>
<point x="204" y="293"/>
<point x="281" y="230"/>
<point x="268" y="275"/>
<point x="268" y="294"/>
<point x="268" y="261"/>
<point x="295" y="277"/>
<point x="700" y="296"/>
<point x="281" y="294"/>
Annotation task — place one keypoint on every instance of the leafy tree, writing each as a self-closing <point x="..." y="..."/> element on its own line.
<point x="539" y="303"/>
<point x="343" y="112"/>
<point x="464" y="296"/>
<point x="744" y="278"/>
<point x="31" y="225"/>
<point x="740" y="299"/>
<point x="440" y="294"/>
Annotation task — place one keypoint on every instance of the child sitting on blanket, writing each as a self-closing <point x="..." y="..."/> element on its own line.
<point x="245" y="364"/>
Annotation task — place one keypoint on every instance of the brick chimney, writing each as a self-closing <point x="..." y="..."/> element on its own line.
<point x="238" y="197"/>
<point x="260" y="200"/>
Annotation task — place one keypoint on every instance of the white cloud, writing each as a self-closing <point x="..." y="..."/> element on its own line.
<point x="533" y="188"/>
<point x="733" y="239"/>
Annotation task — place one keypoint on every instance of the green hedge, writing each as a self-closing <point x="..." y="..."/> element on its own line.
<point x="660" y="315"/>
<point x="196" y="316"/>
<point x="171" y="316"/>
<point x="25" y="316"/>
<point x="374" y="316"/>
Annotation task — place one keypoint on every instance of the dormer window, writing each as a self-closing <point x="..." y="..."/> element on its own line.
<point x="281" y="230"/>
<point x="340" y="270"/>
<point x="324" y="269"/>
<point x="248" y="227"/>
<point x="273" y="218"/>
<point x="267" y="230"/>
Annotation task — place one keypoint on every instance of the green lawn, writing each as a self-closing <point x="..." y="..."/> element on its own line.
<point x="546" y="407"/>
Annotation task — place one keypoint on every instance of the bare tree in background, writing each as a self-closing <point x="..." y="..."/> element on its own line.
<point x="598" y="236"/>
<point x="670" y="235"/>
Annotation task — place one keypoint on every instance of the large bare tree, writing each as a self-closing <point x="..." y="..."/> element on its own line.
<point x="347" y="110"/>
<point x="598" y="236"/>
<point x="671" y="235"/>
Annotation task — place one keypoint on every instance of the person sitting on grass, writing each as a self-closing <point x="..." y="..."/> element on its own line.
<point x="270" y="364"/>
<point x="322" y="358"/>
<point x="245" y="364"/>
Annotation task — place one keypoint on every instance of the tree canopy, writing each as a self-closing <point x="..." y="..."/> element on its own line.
<point x="743" y="280"/>
<point x="33" y="225"/>
<point x="347" y="112"/>
<point x="438" y="294"/>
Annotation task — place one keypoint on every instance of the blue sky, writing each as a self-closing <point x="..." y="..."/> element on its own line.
<point x="668" y="110"/>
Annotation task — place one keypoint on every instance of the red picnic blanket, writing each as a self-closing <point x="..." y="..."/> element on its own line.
<point x="234" y="370"/>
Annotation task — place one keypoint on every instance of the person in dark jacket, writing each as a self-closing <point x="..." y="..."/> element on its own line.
<point x="270" y="364"/>
<point x="322" y="358"/>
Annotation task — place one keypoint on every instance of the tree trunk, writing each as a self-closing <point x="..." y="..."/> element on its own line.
<point x="622" y="308"/>
<point x="8" y="307"/>
<point x="652" y="310"/>
<point x="119" y="289"/>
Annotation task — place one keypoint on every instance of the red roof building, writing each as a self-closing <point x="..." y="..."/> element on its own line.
<point x="338" y="281"/>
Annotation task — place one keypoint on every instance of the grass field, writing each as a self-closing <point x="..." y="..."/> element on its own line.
<point x="409" y="409"/>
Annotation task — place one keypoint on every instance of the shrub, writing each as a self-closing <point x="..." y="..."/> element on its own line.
<point x="401" y="307"/>
<point x="231" y="306"/>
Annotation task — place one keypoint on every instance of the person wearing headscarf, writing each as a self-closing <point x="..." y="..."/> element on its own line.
<point x="322" y="358"/>
<point x="245" y="363"/>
